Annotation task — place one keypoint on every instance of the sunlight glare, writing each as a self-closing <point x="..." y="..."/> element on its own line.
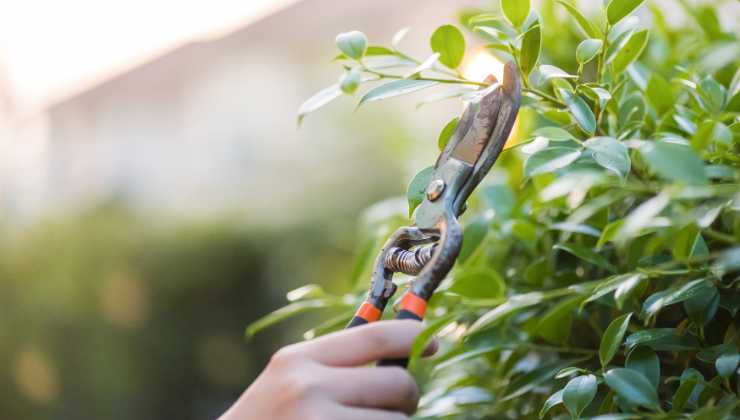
<point x="480" y="65"/>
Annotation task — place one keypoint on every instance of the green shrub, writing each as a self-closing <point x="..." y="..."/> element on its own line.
<point x="599" y="273"/>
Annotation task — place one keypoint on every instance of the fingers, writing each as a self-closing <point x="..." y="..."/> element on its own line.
<point x="343" y="412"/>
<point x="365" y="344"/>
<point x="389" y="388"/>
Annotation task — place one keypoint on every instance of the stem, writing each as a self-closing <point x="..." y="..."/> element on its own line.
<point x="602" y="57"/>
<point x="545" y="347"/>
<point x="430" y="79"/>
<point x="720" y="236"/>
<point x="544" y="95"/>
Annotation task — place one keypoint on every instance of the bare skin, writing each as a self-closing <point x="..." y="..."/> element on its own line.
<point x="329" y="378"/>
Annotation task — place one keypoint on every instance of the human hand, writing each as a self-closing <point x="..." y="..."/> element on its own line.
<point x="328" y="378"/>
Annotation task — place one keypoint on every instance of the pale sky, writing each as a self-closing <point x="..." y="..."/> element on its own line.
<point x="51" y="49"/>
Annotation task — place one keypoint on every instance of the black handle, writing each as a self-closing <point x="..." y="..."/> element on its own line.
<point x="356" y="322"/>
<point x="402" y="362"/>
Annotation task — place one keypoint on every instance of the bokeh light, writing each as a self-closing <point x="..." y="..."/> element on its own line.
<point x="36" y="376"/>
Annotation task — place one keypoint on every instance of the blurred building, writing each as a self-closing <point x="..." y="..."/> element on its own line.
<point x="211" y="125"/>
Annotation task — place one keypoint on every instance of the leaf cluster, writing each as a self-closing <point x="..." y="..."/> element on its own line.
<point x="600" y="272"/>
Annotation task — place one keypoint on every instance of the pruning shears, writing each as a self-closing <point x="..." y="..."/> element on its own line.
<point x="428" y="248"/>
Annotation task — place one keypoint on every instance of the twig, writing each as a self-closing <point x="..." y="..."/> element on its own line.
<point x="430" y="79"/>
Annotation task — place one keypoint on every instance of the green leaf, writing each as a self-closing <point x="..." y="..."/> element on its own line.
<point x="417" y="189"/>
<point x="586" y="26"/>
<point x="524" y="230"/>
<point x="511" y="306"/>
<point x="702" y="307"/>
<point x="550" y="159"/>
<point x="580" y="111"/>
<point x="612" y="338"/>
<point x="454" y="92"/>
<point x="532" y="379"/>
<point x="332" y="324"/>
<point x="712" y="353"/>
<point x="729" y="259"/>
<point x="610" y="153"/>
<point x="672" y="296"/>
<point x="685" y="389"/>
<point x="674" y="162"/>
<point x="629" y="51"/>
<point x="631" y="110"/>
<point x="712" y="95"/>
<point x="662" y="339"/>
<point x="425" y="337"/>
<point x="608" y="233"/>
<point x="378" y="50"/>
<point x="624" y="26"/>
<point x="395" y="88"/>
<point x="530" y="51"/>
<point x="286" y="312"/>
<point x="551" y="72"/>
<point x="641" y="217"/>
<point x="474" y="233"/>
<point x="575" y="228"/>
<point x="611" y="284"/>
<point x="478" y="283"/>
<point x="449" y="42"/>
<point x="625" y="290"/>
<point x="378" y="62"/>
<point x="588" y="50"/>
<point x="362" y="260"/>
<point x="500" y="198"/>
<point x="350" y="81"/>
<point x="468" y="355"/>
<point x="586" y="254"/>
<point x="644" y="360"/>
<point x="424" y="66"/>
<point x="318" y="100"/>
<point x="659" y="93"/>
<point x="555" y="325"/>
<point x="399" y="36"/>
<point x="572" y="370"/>
<point x="516" y="11"/>
<point x="684" y="242"/>
<point x="578" y="394"/>
<point x="733" y="105"/>
<point x="553" y="133"/>
<point x="552" y="401"/>
<point x="353" y="44"/>
<point x="726" y="364"/>
<point x="709" y="132"/>
<point x="309" y="291"/>
<point x="446" y="133"/>
<point x="633" y="387"/>
<point x="597" y="94"/>
<point x="618" y="9"/>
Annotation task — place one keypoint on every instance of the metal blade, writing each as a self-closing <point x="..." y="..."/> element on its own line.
<point x="485" y="111"/>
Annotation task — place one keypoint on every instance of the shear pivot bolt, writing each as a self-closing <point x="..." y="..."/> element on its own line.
<point x="435" y="188"/>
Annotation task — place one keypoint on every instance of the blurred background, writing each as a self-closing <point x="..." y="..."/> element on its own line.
<point x="156" y="195"/>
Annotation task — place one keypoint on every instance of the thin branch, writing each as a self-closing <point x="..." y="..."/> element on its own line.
<point x="430" y="79"/>
<point x="544" y="95"/>
<point x="720" y="236"/>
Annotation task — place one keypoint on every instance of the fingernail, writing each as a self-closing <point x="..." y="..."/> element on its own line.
<point x="432" y="347"/>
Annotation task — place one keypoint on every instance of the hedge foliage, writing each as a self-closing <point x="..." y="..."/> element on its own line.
<point x="600" y="272"/>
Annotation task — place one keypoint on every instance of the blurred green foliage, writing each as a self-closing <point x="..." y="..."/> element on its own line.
<point x="112" y="315"/>
<point x="599" y="274"/>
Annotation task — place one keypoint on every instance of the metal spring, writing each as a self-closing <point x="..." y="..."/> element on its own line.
<point x="408" y="262"/>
